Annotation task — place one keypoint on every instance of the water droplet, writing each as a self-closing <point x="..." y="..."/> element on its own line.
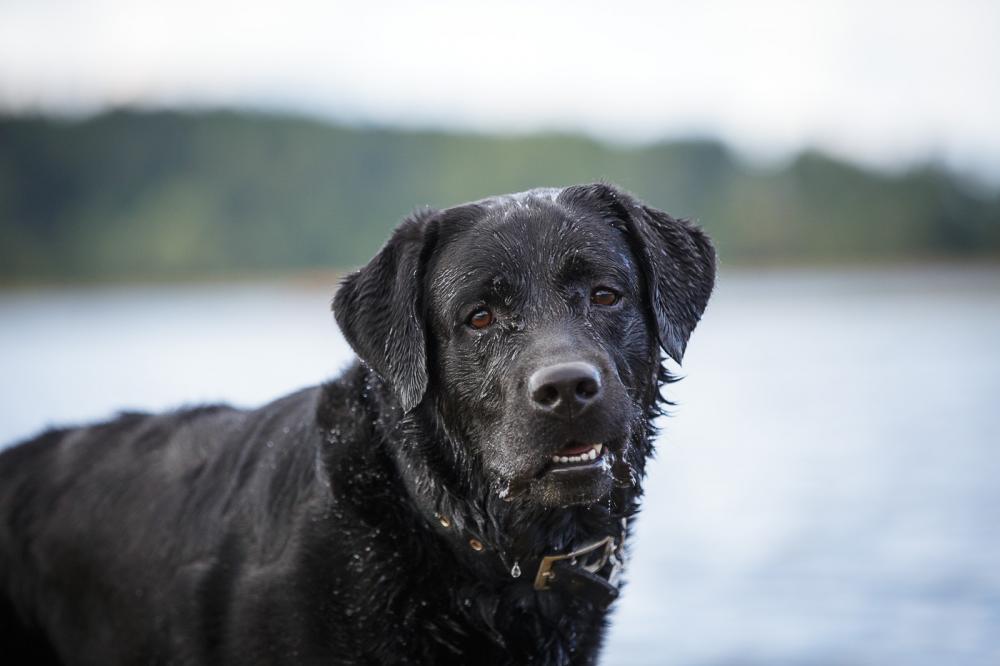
<point x="515" y="571"/>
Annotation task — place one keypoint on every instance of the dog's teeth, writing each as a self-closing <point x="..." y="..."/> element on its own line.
<point x="592" y="454"/>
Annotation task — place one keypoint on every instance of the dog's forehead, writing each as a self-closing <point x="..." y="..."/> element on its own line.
<point x="526" y="236"/>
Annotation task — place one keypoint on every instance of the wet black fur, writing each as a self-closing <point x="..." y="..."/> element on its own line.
<point x="308" y="531"/>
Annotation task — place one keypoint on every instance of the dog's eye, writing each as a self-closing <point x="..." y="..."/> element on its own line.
<point x="480" y="318"/>
<point x="604" y="296"/>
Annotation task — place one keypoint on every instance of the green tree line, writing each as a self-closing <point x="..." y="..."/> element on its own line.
<point x="129" y="194"/>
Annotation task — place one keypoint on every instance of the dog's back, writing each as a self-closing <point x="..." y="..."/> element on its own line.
<point x="157" y="500"/>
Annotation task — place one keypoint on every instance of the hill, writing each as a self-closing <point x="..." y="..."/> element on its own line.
<point x="169" y="194"/>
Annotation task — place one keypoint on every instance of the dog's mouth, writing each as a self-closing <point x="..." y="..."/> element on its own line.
<point x="576" y="455"/>
<point x="578" y="473"/>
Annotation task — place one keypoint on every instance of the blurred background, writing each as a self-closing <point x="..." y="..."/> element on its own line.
<point x="181" y="184"/>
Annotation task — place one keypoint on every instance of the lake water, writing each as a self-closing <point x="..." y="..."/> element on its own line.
<point x="827" y="491"/>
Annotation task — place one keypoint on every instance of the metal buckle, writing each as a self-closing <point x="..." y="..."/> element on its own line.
<point x="545" y="573"/>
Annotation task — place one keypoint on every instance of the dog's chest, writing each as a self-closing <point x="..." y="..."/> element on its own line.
<point x="446" y="617"/>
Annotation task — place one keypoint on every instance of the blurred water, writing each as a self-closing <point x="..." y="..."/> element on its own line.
<point x="828" y="491"/>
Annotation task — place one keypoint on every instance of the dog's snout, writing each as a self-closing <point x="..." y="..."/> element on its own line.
<point x="565" y="388"/>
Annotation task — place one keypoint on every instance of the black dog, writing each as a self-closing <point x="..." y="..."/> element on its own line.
<point x="458" y="496"/>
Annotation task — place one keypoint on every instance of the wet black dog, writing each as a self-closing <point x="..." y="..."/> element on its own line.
<point x="416" y="510"/>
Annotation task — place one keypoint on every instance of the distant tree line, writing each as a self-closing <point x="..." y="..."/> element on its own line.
<point x="172" y="194"/>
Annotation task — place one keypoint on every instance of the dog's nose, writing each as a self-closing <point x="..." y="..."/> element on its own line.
<point x="565" y="388"/>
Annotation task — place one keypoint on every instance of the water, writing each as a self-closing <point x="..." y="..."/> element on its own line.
<point x="827" y="492"/>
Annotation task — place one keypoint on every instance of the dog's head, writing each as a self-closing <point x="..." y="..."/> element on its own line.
<point x="530" y="327"/>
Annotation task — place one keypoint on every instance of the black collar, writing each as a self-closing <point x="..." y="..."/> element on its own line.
<point x="591" y="571"/>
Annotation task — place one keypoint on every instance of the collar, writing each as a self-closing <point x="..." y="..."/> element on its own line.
<point x="592" y="571"/>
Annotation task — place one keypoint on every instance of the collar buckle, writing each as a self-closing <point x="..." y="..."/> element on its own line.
<point x="591" y="558"/>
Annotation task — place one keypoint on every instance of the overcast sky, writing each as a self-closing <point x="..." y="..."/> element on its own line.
<point x="885" y="82"/>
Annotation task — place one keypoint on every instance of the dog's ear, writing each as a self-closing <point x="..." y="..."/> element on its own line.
<point x="679" y="260"/>
<point x="675" y="255"/>
<point x="378" y="309"/>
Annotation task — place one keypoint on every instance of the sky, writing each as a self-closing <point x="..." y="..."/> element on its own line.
<point x="886" y="83"/>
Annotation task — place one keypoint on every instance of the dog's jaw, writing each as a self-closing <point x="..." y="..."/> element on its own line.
<point x="583" y="479"/>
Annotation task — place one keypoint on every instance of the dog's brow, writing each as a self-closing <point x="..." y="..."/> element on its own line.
<point x="462" y="288"/>
<point x="615" y="264"/>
